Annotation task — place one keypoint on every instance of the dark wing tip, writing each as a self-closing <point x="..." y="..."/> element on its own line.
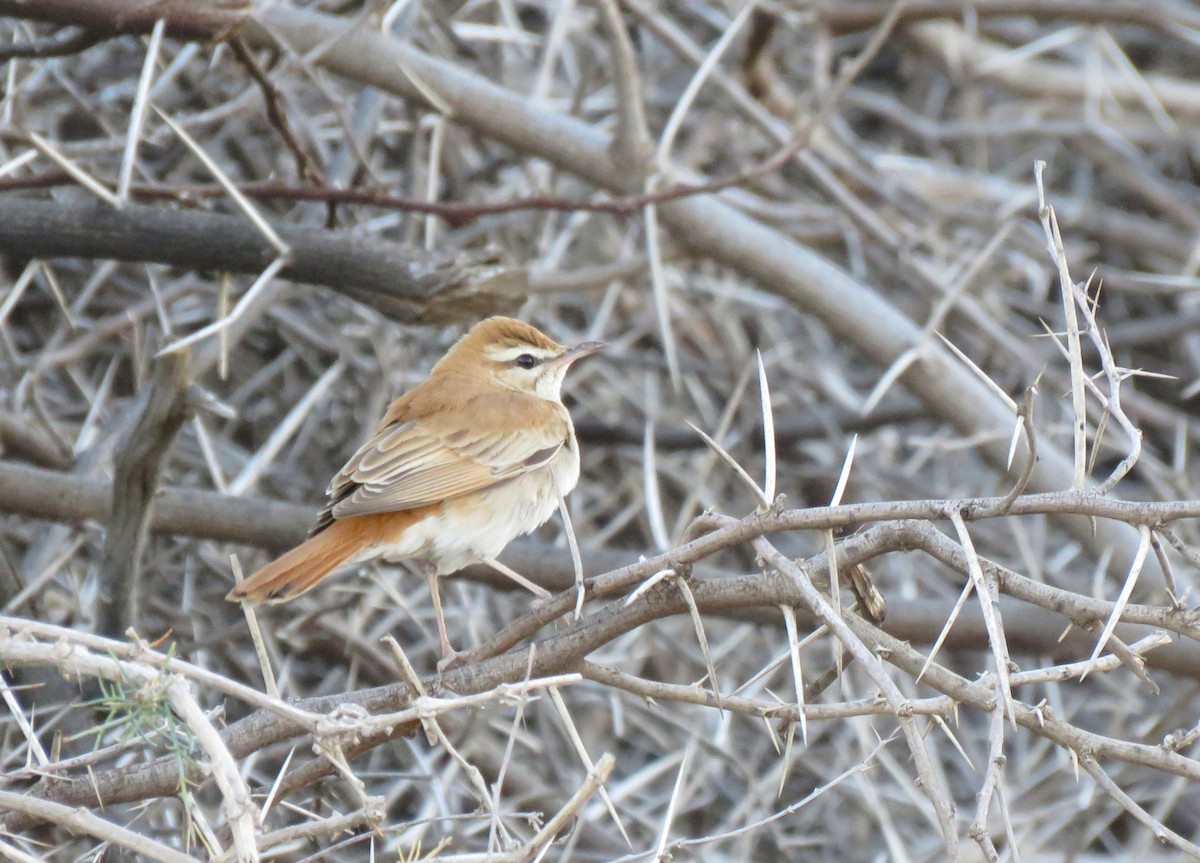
<point x="542" y="456"/>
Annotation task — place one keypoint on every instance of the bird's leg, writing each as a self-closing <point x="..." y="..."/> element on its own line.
<point x="448" y="653"/>
<point x="536" y="590"/>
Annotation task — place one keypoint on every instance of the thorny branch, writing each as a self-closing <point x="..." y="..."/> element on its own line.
<point x="835" y="176"/>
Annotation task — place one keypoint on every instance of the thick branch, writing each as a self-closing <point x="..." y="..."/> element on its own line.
<point x="31" y="443"/>
<point x="61" y="497"/>
<point x="851" y="17"/>
<point x="58" y="44"/>
<point x="139" y="460"/>
<point x="401" y="282"/>
<point x="261" y="522"/>
<point x="186" y="19"/>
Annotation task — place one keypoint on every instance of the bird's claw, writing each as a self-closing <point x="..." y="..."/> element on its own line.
<point x="451" y="658"/>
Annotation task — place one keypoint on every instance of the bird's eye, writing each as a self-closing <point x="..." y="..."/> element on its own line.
<point x="526" y="361"/>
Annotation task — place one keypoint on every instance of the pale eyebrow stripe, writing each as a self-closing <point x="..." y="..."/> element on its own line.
<point x="511" y="353"/>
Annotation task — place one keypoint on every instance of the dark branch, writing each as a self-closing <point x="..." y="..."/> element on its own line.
<point x="138" y="462"/>
<point x="59" y="44"/>
<point x="32" y="444"/>
<point x="844" y="18"/>
<point x="185" y="19"/>
<point x="261" y="522"/>
<point x="405" y="284"/>
<point x="305" y="167"/>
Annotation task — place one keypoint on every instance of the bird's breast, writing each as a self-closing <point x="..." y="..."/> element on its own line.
<point x="477" y="526"/>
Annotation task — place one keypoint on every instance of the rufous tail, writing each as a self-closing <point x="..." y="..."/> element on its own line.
<point x="310" y="563"/>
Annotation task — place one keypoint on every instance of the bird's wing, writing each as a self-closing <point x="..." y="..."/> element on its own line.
<point x="414" y="461"/>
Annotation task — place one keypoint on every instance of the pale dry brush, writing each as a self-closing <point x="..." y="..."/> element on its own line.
<point x="877" y="239"/>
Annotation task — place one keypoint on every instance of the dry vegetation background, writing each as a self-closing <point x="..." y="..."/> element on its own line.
<point x="872" y="227"/>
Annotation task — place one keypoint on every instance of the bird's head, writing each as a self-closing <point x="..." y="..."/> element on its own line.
<point x="514" y="355"/>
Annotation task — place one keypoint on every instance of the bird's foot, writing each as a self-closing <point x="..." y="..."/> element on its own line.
<point x="451" y="658"/>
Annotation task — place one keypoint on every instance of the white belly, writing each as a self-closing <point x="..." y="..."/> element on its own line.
<point x="476" y="527"/>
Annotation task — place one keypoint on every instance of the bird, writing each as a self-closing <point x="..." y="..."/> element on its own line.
<point x="475" y="455"/>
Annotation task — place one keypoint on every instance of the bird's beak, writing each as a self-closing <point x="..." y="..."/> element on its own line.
<point x="578" y="352"/>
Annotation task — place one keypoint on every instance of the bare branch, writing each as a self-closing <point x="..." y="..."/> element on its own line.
<point x="402" y="283"/>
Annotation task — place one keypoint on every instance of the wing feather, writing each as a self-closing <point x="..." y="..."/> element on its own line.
<point x="414" y="461"/>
